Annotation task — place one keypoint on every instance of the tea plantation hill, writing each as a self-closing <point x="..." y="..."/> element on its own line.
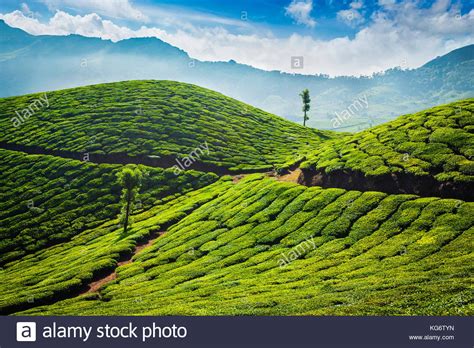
<point x="430" y="153"/>
<point x="163" y="119"/>
<point x="49" y="200"/>
<point x="204" y="245"/>
<point x="264" y="247"/>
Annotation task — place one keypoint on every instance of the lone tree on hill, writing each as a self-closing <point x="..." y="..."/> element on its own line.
<point x="130" y="180"/>
<point x="306" y="101"/>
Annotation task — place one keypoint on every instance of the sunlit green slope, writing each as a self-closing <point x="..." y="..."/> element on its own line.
<point x="437" y="142"/>
<point x="47" y="200"/>
<point x="261" y="246"/>
<point x="156" y="118"/>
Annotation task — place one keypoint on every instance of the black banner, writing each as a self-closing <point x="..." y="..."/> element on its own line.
<point x="399" y="332"/>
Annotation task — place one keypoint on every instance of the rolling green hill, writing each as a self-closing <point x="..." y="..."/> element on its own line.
<point x="158" y="118"/>
<point x="264" y="247"/>
<point x="431" y="148"/>
<point x="253" y="244"/>
<point x="32" y="63"/>
<point x="47" y="200"/>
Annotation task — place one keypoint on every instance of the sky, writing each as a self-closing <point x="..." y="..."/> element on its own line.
<point x="335" y="38"/>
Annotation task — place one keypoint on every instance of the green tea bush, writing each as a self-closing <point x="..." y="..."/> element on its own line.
<point x="345" y="253"/>
<point x="438" y="142"/>
<point x="40" y="208"/>
<point x="160" y="118"/>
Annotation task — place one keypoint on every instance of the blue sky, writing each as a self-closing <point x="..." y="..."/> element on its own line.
<point x="272" y="15"/>
<point x="348" y="37"/>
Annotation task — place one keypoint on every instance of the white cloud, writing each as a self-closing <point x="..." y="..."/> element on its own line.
<point x="357" y="5"/>
<point x="179" y="17"/>
<point x="387" y="2"/>
<point x="300" y="11"/>
<point x="24" y="8"/>
<point x="119" y="9"/>
<point x="354" y="15"/>
<point x="62" y="23"/>
<point x="403" y="35"/>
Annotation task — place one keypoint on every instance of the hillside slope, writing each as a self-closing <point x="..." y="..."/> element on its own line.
<point x="252" y="244"/>
<point x="428" y="153"/>
<point x="48" y="200"/>
<point x="265" y="247"/>
<point x="164" y="119"/>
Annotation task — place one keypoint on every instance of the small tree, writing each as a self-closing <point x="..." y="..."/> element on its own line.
<point x="306" y="104"/>
<point x="130" y="180"/>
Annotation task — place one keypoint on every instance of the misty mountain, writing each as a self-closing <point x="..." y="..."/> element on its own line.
<point x="36" y="63"/>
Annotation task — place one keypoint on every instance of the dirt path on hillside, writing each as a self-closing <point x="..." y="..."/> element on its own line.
<point x="237" y="178"/>
<point x="292" y="176"/>
<point x="97" y="284"/>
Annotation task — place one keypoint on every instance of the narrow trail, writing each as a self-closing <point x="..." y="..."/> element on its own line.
<point x="292" y="176"/>
<point x="96" y="285"/>
<point x="93" y="287"/>
<point x="237" y="178"/>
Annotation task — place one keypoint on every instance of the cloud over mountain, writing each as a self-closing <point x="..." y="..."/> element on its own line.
<point x="398" y="34"/>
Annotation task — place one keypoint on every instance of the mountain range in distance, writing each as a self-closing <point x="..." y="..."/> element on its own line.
<point x="37" y="63"/>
